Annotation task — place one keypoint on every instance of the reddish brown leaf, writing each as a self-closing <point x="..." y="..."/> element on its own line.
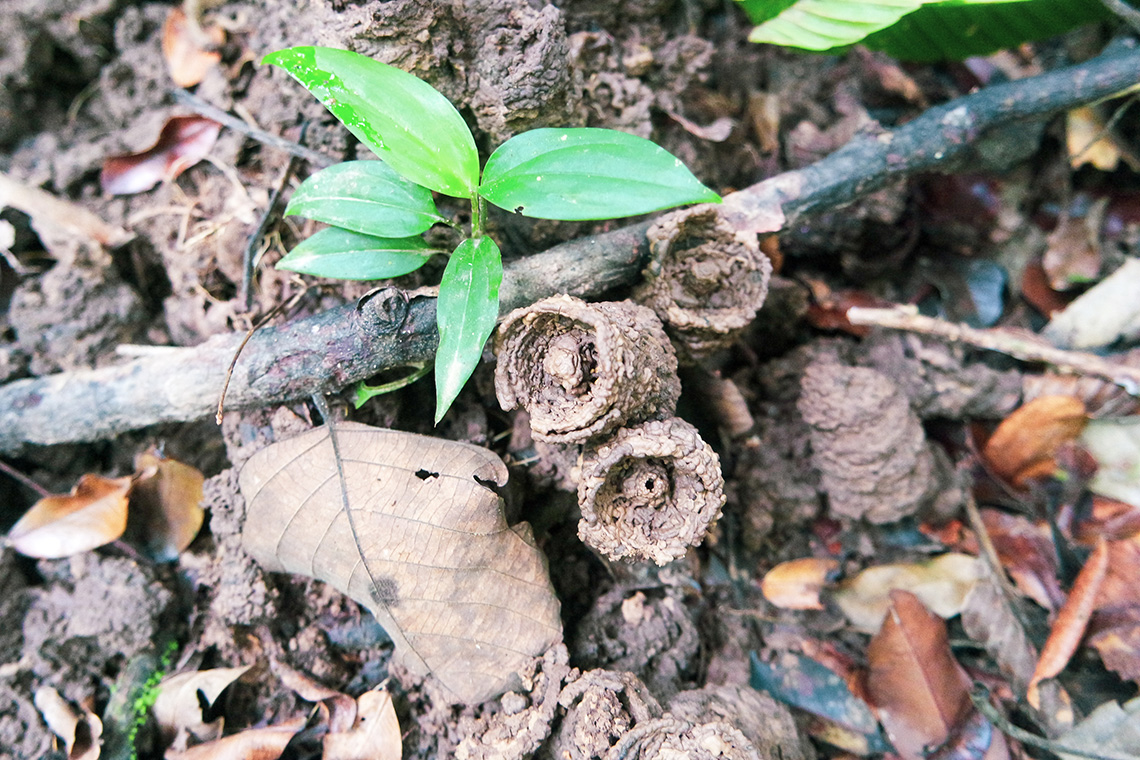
<point x="1114" y="630"/>
<point x="93" y="514"/>
<point x="919" y="689"/>
<point x="1026" y="551"/>
<point x="166" y="511"/>
<point x="1110" y="519"/>
<point x="183" y="142"/>
<point x="1073" y="617"/>
<point x="190" y="50"/>
<point x="1035" y="289"/>
<point x="1025" y="443"/>
<point x="828" y="309"/>
<point x="1073" y="253"/>
<point x="795" y="585"/>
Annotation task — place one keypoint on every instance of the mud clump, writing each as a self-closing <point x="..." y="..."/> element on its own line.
<point x="650" y="492"/>
<point x="867" y="443"/>
<point x="583" y="370"/>
<point x="706" y="281"/>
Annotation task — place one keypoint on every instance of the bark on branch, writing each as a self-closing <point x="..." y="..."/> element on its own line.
<point x="327" y="351"/>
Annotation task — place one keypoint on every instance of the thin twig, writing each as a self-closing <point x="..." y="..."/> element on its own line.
<point x="986" y="545"/>
<point x="213" y="112"/>
<point x="980" y="696"/>
<point x="23" y="479"/>
<point x="1026" y="347"/>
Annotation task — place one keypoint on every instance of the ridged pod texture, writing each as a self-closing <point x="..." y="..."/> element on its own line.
<point x="583" y="370"/>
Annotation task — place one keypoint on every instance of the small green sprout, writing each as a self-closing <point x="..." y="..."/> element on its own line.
<point x="378" y="209"/>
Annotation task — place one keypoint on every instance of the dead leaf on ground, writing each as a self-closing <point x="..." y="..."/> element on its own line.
<point x="1073" y="255"/>
<point x="183" y="142"/>
<point x="1111" y="730"/>
<point x="424" y="544"/>
<point x="1105" y="313"/>
<point x="1026" y="551"/>
<point x="93" y="514"/>
<point x="1072" y="618"/>
<point x="252" y="744"/>
<point x="184" y="697"/>
<point x="1114" y="630"/>
<point x="1025" y="443"/>
<point x="49" y="212"/>
<point x="1110" y="519"/>
<point x="166" y="512"/>
<point x="1088" y="140"/>
<point x="374" y="736"/>
<point x="190" y="49"/>
<point x="805" y="683"/>
<point x="80" y="732"/>
<point x="796" y="584"/>
<point x="919" y="689"/>
<point x="1115" y="444"/>
<point x="941" y="584"/>
<point x="342" y="708"/>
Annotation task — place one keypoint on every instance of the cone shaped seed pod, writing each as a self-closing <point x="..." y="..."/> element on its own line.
<point x="650" y="492"/>
<point x="582" y="370"/>
<point x="706" y="280"/>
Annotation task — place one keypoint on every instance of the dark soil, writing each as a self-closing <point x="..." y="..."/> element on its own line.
<point x="83" y="81"/>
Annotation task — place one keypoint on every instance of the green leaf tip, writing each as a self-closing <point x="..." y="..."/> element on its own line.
<point x="583" y="174"/>
<point x="401" y="118"/>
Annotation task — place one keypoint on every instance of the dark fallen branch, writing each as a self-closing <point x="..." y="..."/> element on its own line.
<point x="327" y="351"/>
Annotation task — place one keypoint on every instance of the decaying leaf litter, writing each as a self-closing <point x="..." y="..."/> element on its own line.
<point x="857" y="458"/>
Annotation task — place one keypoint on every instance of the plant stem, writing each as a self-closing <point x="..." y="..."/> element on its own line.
<point x="477" y="214"/>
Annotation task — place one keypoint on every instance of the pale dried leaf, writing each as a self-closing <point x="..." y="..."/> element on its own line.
<point x="374" y="736"/>
<point x="189" y="49"/>
<point x="252" y="744"/>
<point x="178" y="709"/>
<point x="1088" y="141"/>
<point x="941" y="584"/>
<point x="1106" y="312"/>
<point x="80" y="732"/>
<point x="1115" y="444"/>
<point x="424" y="545"/>
<point x="1111" y="729"/>
<point x="796" y="584"/>
<point x="93" y="514"/>
<point x="50" y="213"/>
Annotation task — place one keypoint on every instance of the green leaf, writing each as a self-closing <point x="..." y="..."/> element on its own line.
<point x="465" y="313"/>
<point x="953" y="31"/>
<point x="367" y="197"/>
<point x="577" y="174"/>
<point x="826" y="24"/>
<point x="348" y="255"/>
<point x="403" y="119"/>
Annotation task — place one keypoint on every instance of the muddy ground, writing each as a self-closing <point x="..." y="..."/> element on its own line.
<point x="83" y="81"/>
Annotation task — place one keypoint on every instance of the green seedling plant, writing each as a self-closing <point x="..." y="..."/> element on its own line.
<point x="378" y="210"/>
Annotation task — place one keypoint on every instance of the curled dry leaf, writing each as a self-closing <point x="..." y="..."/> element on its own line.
<point x="182" y="699"/>
<point x="342" y="708"/>
<point x="920" y="690"/>
<point x="941" y="584"/>
<point x="1025" y="443"/>
<point x="80" y="733"/>
<point x="650" y="492"/>
<point x="1111" y="730"/>
<point x="374" y="735"/>
<point x="183" y="142"/>
<point x="252" y="744"/>
<point x="1073" y="617"/>
<point x="583" y="370"/>
<point x="405" y="525"/>
<point x="796" y="584"/>
<point x="706" y="280"/>
<point x="190" y="50"/>
<point x="93" y="514"/>
<point x="166" y="512"/>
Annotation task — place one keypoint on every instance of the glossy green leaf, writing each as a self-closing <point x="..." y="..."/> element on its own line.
<point x="465" y="313"/>
<point x="402" y="118"/>
<point x="826" y="24"/>
<point x="367" y="197"/>
<point x="577" y="174"/>
<point x="953" y="31"/>
<point x="347" y="255"/>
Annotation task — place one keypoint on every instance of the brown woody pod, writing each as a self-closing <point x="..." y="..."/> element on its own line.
<point x="582" y="370"/>
<point x="650" y="492"/>
<point x="706" y="281"/>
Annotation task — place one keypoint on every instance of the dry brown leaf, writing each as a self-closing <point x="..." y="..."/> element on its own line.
<point x="93" y="514"/>
<point x="1025" y="443"/>
<point x="342" y="708"/>
<point x="166" y="512"/>
<point x="1072" y="618"/>
<point x="51" y="213"/>
<point x="941" y="584"/>
<point x="374" y="736"/>
<point x="1114" y="630"/>
<point x="178" y="707"/>
<point x="183" y="142"/>
<point x="1088" y="141"/>
<point x="919" y="689"/>
<point x="80" y="732"/>
<point x="1025" y="549"/>
<point x="424" y="545"/>
<point x="190" y="49"/>
<point x="252" y="744"/>
<point x="1073" y="255"/>
<point x="795" y="585"/>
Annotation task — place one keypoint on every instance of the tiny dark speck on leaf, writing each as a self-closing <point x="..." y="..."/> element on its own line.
<point x="518" y="209"/>
<point x="426" y="475"/>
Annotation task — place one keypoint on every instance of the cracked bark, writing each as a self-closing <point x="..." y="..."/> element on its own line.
<point x="330" y="350"/>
